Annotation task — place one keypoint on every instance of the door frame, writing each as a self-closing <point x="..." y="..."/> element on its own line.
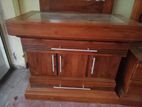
<point x="6" y="47"/>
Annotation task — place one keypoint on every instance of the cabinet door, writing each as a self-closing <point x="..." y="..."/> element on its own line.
<point x="103" y="66"/>
<point x="72" y="65"/>
<point x="42" y="63"/>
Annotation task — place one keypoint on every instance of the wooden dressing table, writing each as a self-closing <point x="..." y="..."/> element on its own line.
<point x="74" y="56"/>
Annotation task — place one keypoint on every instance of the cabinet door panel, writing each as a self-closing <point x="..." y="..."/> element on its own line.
<point x="42" y="63"/>
<point x="72" y="65"/>
<point x="137" y="75"/>
<point x="105" y="66"/>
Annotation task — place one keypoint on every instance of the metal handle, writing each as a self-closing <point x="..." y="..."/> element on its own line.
<point x="100" y="0"/>
<point x="93" y="66"/>
<point x="76" y="50"/>
<point x="60" y="59"/>
<point x="71" y="88"/>
<point x="96" y="0"/>
<point x="53" y="69"/>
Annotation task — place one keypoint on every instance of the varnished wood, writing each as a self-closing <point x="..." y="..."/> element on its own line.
<point x="130" y="65"/>
<point x="102" y="47"/>
<point x="75" y="27"/>
<point x="103" y="63"/>
<point x="40" y="63"/>
<point x="137" y="10"/>
<point x="108" y="97"/>
<point x="76" y="6"/>
<point x="132" y="82"/>
<point x="111" y="36"/>
<point x="135" y="89"/>
<point x="72" y="65"/>
<point x="137" y="76"/>
<point x="95" y="83"/>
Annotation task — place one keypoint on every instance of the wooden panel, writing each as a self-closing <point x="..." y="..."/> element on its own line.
<point x="108" y="6"/>
<point x="132" y="78"/>
<point x="106" y="97"/>
<point x="105" y="66"/>
<point x="81" y="6"/>
<point x="72" y="65"/>
<point x="47" y="81"/>
<point x="137" y="10"/>
<point x="113" y="28"/>
<point x="102" y="47"/>
<point x="41" y="63"/>
<point x="135" y="89"/>
<point x="128" y="72"/>
<point x="137" y="76"/>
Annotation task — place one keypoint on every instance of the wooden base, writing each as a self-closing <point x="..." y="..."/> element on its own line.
<point x="93" y="96"/>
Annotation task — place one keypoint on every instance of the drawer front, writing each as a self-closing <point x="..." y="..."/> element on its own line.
<point x="137" y="75"/>
<point x="72" y="82"/>
<point x="101" y="47"/>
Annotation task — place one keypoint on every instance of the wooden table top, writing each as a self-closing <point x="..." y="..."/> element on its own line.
<point x="96" y="27"/>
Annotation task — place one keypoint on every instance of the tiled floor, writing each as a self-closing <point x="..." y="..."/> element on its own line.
<point x="14" y="86"/>
<point x="12" y="94"/>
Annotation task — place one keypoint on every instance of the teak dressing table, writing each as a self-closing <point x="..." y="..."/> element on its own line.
<point x="76" y="50"/>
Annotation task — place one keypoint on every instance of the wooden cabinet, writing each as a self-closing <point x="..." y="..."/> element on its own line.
<point x="75" y="55"/>
<point x="70" y="65"/>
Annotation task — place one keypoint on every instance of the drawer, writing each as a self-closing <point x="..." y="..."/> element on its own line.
<point x="101" y="47"/>
<point x="72" y="82"/>
<point x="137" y="75"/>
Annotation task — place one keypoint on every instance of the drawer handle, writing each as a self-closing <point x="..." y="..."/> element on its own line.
<point x="53" y="69"/>
<point x="71" y="88"/>
<point x="93" y="66"/>
<point x="60" y="59"/>
<point x="100" y="0"/>
<point x="75" y="50"/>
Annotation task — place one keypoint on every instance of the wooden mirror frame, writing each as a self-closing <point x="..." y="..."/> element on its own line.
<point x="137" y="10"/>
<point x="90" y="8"/>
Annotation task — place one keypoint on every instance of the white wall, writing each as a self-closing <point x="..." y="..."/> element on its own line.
<point x="123" y="7"/>
<point x="15" y="43"/>
<point x="28" y="5"/>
